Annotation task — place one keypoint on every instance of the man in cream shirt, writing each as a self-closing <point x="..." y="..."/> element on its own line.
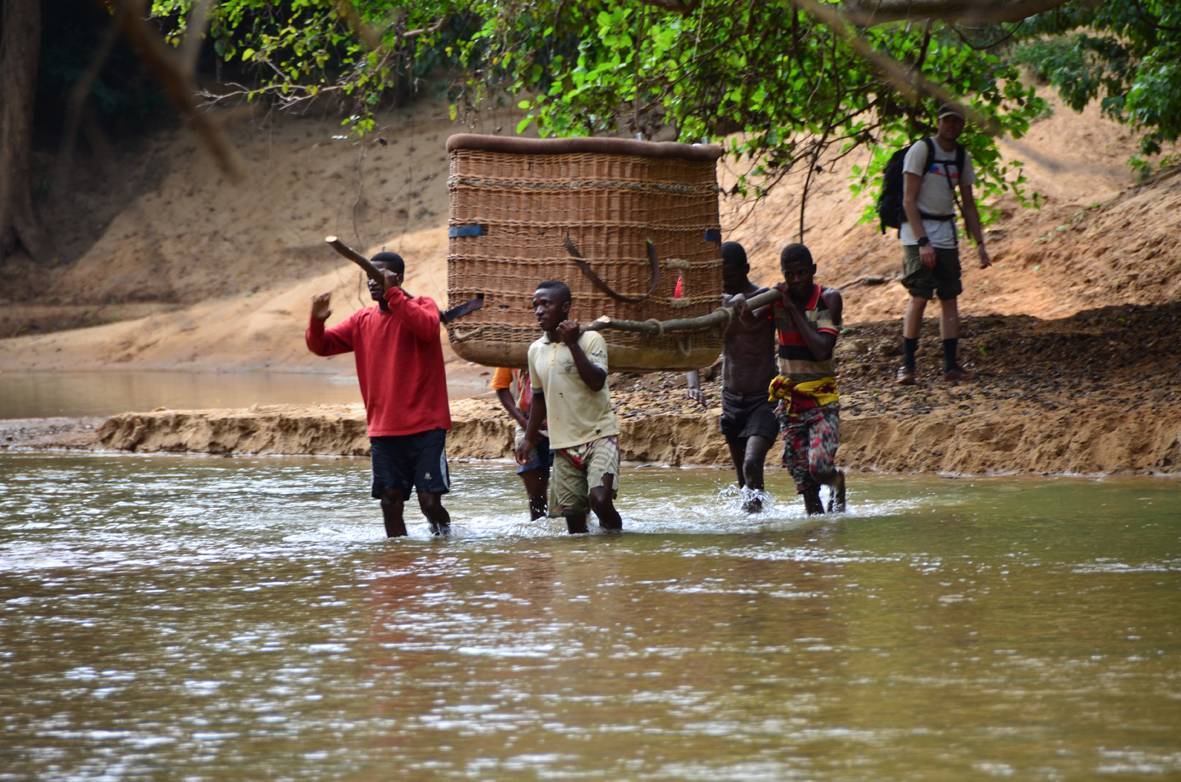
<point x="932" y="173"/>
<point x="568" y="370"/>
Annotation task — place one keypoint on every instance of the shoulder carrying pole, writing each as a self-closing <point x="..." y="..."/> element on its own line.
<point x="719" y="317"/>
<point x="355" y="257"/>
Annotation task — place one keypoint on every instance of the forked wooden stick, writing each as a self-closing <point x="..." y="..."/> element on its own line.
<point x="357" y="258"/>
<point x="375" y="274"/>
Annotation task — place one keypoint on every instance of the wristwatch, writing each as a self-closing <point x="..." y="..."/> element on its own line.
<point x="923" y="241"/>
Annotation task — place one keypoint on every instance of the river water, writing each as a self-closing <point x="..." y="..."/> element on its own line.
<point x="73" y="394"/>
<point x="231" y="618"/>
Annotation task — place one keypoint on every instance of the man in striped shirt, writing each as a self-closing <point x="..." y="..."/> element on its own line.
<point x="807" y="321"/>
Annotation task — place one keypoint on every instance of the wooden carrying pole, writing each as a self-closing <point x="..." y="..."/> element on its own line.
<point x="719" y="317"/>
<point x="445" y="316"/>
<point x="357" y="258"/>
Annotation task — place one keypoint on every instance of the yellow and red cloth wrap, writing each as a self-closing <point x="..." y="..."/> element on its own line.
<point x="808" y="394"/>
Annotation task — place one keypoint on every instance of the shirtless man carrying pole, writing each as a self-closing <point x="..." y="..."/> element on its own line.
<point x="748" y="366"/>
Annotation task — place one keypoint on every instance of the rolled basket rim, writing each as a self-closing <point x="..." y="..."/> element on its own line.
<point x="586" y="144"/>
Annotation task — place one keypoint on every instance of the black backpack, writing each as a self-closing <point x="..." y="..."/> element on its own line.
<point x="890" y="212"/>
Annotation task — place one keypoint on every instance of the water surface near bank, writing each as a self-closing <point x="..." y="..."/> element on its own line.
<point x="215" y="618"/>
<point x="100" y="393"/>
<point x="53" y="394"/>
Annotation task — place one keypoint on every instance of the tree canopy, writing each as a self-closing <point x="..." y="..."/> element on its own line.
<point x="1126" y="54"/>
<point x="784" y="88"/>
<point x="784" y="85"/>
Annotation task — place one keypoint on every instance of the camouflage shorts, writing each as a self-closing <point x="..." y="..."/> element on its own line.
<point x="577" y="470"/>
<point x="810" y="442"/>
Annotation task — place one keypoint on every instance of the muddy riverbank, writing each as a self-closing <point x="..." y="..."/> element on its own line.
<point x="1066" y="396"/>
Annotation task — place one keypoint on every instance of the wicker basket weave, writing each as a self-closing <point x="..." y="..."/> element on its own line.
<point x="517" y="204"/>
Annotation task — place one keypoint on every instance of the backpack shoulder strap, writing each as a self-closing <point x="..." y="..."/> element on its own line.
<point x="960" y="158"/>
<point x="930" y="145"/>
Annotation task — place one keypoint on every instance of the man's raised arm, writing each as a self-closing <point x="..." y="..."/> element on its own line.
<point x="327" y="342"/>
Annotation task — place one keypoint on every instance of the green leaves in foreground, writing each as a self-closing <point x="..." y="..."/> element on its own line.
<point x="782" y="90"/>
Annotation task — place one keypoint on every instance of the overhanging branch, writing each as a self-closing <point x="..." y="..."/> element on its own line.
<point x="176" y="83"/>
<point x="867" y="13"/>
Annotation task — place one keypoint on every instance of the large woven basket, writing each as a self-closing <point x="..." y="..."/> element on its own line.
<point x="521" y="210"/>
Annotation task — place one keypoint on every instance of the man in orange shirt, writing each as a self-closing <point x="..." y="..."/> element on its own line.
<point x="515" y="393"/>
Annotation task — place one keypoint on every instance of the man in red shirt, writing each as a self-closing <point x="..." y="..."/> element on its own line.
<point x="400" y="369"/>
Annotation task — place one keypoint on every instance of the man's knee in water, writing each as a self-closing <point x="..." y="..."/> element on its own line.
<point x="601" y="502"/>
<point x="599" y="497"/>
<point x="392" y="498"/>
<point x="822" y="476"/>
<point x="429" y="503"/>
<point x="752" y="465"/>
<point x="576" y="523"/>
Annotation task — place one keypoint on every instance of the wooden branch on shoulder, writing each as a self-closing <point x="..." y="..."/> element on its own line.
<point x="357" y="258"/>
<point x="719" y="317"/>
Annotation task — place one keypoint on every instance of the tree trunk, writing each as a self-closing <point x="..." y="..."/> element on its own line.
<point x="20" y="49"/>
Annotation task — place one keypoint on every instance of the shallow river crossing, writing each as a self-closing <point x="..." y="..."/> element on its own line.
<point x="211" y="618"/>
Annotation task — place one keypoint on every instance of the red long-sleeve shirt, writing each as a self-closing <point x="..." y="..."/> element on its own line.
<point x="399" y="363"/>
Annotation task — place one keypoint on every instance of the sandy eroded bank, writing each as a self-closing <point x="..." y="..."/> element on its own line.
<point x="943" y="441"/>
<point x="1099" y="392"/>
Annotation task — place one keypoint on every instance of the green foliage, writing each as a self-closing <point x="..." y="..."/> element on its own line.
<point x="781" y="90"/>
<point x="300" y="50"/>
<point x="1126" y="53"/>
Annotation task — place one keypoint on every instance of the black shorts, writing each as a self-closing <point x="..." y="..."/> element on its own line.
<point x="748" y="415"/>
<point x="923" y="283"/>
<point x="407" y="460"/>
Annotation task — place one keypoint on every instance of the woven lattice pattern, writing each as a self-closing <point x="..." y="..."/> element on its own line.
<point x="513" y="212"/>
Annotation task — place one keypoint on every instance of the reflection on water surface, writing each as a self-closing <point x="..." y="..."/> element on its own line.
<point x="74" y="394"/>
<point x="207" y="618"/>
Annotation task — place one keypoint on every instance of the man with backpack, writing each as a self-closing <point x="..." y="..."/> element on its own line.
<point x="931" y="171"/>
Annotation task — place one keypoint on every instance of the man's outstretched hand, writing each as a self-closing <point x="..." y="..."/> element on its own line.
<point x="321" y="306"/>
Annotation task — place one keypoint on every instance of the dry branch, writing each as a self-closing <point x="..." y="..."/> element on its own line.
<point x="348" y="252"/>
<point x="175" y="82"/>
<point x="719" y="317"/>
<point x="867" y="13"/>
<point x="913" y="84"/>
